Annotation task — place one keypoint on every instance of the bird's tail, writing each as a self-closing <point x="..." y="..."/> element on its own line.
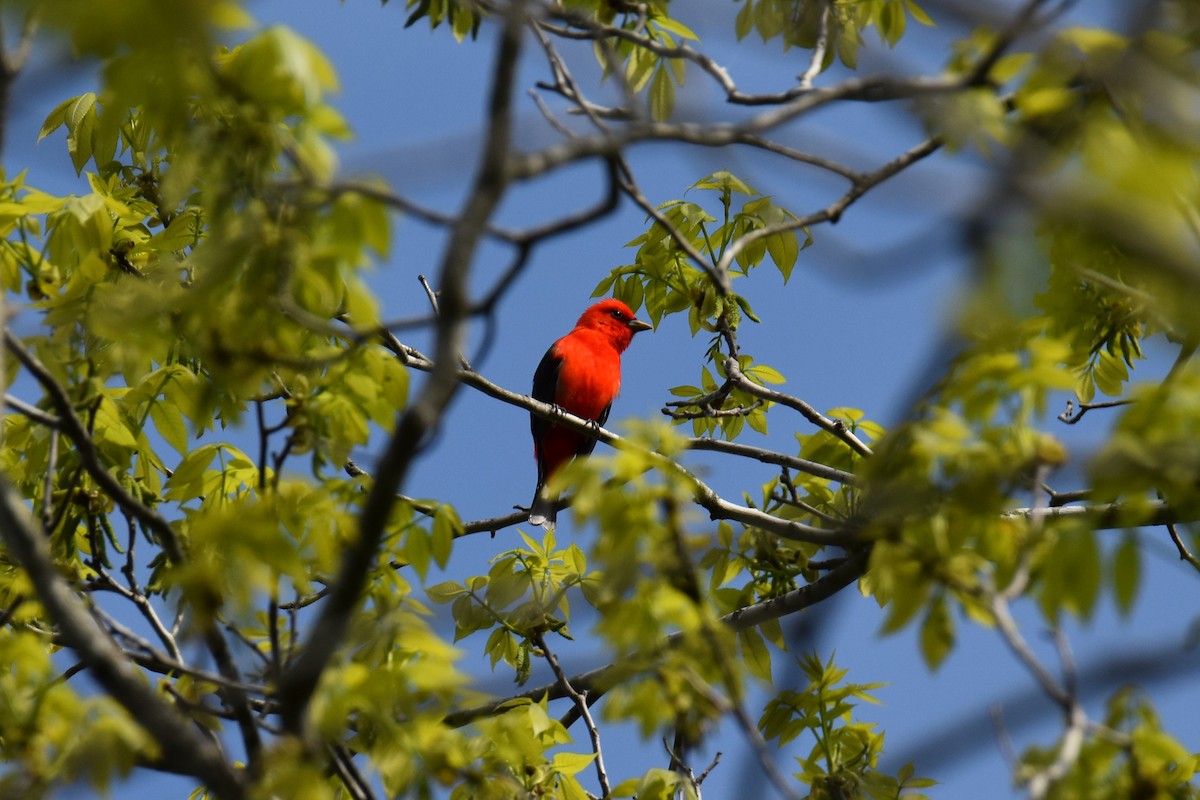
<point x="544" y="510"/>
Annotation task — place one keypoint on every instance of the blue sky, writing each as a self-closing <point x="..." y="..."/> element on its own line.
<point x="866" y="317"/>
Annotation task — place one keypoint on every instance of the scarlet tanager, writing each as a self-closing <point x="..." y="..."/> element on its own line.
<point x="581" y="374"/>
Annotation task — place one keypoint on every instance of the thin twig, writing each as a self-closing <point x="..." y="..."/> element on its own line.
<point x="48" y="515"/>
<point x="715" y="413"/>
<point x="1016" y="642"/>
<point x="1003" y="739"/>
<point x="1184" y="553"/>
<point x="817" y="62"/>
<point x="834" y="426"/>
<point x="1070" y="416"/>
<point x="771" y="457"/>
<point x="581" y="704"/>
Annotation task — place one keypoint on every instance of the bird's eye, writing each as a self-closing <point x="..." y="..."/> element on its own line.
<point x="616" y="313"/>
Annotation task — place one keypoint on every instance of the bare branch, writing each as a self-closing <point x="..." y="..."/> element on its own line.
<point x="1107" y="516"/>
<point x="1070" y="416"/>
<point x="861" y="184"/>
<point x="999" y="606"/>
<point x="33" y="412"/>
<point x="804" y="98"/>
<point x="581" y="705"/>
<point x="715" y="413"/>
<point x="770" y="457"/>
<point x="355" y="784"/>
<point x="817" y="62"/>
<point x="1184" y="553"/>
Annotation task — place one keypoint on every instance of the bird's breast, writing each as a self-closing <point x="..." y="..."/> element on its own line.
<point x="588" y="380"/>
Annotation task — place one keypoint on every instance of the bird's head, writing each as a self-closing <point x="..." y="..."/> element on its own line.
<point x="614" y="319"/>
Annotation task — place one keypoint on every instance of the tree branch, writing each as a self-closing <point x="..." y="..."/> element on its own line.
<point x="177" y="739"/>
<point x="12" y="62"/>
<point x="581" y="705"/>
<point x="1184" y="553"/>
<point x="833" y="426"/>
<point x="597" y="681"/>
<point x="74" y="429"/>
<point x="770" y="457"/>
<point x="708" y="499"/>
<point x="299" y="680"/>
<point x="1106" y="516"/>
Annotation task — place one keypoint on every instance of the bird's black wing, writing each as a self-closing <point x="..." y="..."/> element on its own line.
<point x="545" y="388"/>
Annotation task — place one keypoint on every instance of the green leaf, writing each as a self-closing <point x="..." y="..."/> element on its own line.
<point x="445" y="592"/>
<point x="755" y="654"/>
<point x="507" y="585"/>
<point x="1156" y="749"/>
<point x="187" y="481"/>
<point x="110" y="428"/>
<point x="168" y="421"/>
<point x="1085" y="386"/>
<point x="1110" y="373"/>
<point x="640" y="68"/>
<point x="662" y="95"/>
<point x="784" y="249"/>
<point x="723" y="181"/>
<point x="417" y="551"/>
<point x="918" y="13"/>
<point x="891" y="22"/>
<point x="674" y="26"/>
<point x="80" y="122"/>
<point x="56" y="118"/>
<point x="446" y="526"/>
<point x="762" y="374"/>
<point x="745" y="20"/>
<point x="937" y="633"/>
<point x="572" y="763"/>
<point x="1127" y="569"/>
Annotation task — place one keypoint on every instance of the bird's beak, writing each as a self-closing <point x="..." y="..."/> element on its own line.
<point x="636" y="325"/>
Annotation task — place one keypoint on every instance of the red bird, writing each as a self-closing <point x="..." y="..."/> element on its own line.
<point x="581" y="374"/>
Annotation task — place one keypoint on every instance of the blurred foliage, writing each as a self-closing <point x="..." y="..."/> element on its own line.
<point x="840" y="23"/>
<point x="207" y="275"/>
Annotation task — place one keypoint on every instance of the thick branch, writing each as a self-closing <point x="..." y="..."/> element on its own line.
<point x="299" y="681"/>
<point x="1108" y="515"/>
<point x="11" y="64"/>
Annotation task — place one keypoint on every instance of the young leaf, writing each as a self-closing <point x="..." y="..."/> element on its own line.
<point x="662" y="95"/>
